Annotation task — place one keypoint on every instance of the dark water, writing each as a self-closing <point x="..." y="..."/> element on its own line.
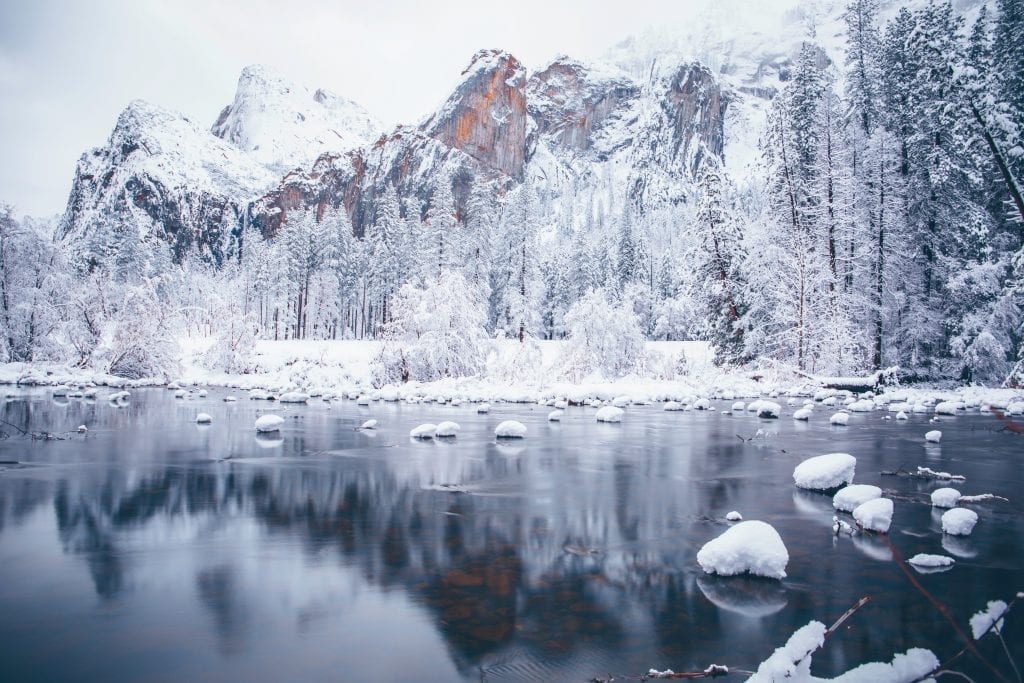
<point x="153" y="549"/>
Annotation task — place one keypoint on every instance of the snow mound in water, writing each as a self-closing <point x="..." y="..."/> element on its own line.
<point x="673" y="405"/>
<point x="959" y="521"/>
<point x="293" y="397"/>
<point x="510" y="429"/>
<point x="750" y="547"/>
<point x="948" y="407"/>
<point x="864" y="405"/>
<point x="734" y="516"/>
<point x="369" y="424"/>
<point x="204" y="419"/>
<point x="931" y="561"/>
<point x="424" y="431"/>
<point x="363" y="400"/>
<point x="483" y="408"/>
<point x="850" y="497"/>
<point x="839" y="419"/>
<point x="610" y="414"/>
<point x="739" y="406"/>
<point x="768" y="409"/>
<point x="269" y="423"/>
<point x="934" y="436"/>
<point x="447" y="429"/>
<point x="803" y="414"/>
<point x="702" y="404"/>
<point x="945" y="497"/>
<point x="555" y="415"/>
<point x="824" y="472"/>
<point x="875" y="514"/>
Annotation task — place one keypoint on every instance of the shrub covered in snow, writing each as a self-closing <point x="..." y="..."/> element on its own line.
<point x="604" y="338"/>
<point x="436" y="331"/>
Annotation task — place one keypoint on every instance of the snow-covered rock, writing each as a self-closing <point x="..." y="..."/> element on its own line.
<point x="849" y="497"/>
<point x="824" y="472"/>
<point x="483" y="408"/>
<point x="803" y="414"/>
<point x="269" y="423"/>
<point x="934" y="436"/>
<point x="945" y="497"/>
<point x="447" y="429"/>
<point x="620" y="401"/>
<point x="862" y="406"/>
<point x="768" y="409"/>
<point x="230" y="399"/>
<point x="734" y="516"/>
<point x="672" y="406"/>
<point x="369" y="424"/>
<point x="609" y="414"/>
<point x="875" y="514"/>
<point x="423" y="431"/>
<point x="293" y="397"/>
<point x="363" y="400"/>
<point x="180" y="393"/>
<point x="202" y="393"/>
<point x="931" y="561"/>
<point x="555" y="415"/>
<point x="901" y="416"/>
<point x="959" y="521"/>
<point x="510" y="429"/>
<point x="948" y="407"/>
<point x="752" y="547"/>
<point x="839" y="419"/>
<point x="702" y="404"/>
<point x="739" y="406"/>
<point x="204" y="419"/>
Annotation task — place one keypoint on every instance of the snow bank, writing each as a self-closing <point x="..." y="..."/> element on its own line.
<point x="848" y="498"/>
<point x="945" y="497"/>
<point x="510" y="429"/>
<point x="959" y="521"/>
<point x="269" y="423"/>
<point x="610" y="414"/>
<point x="748" y="547"/>
<point x="875" y="515"/>
<point x="824" y="472"/>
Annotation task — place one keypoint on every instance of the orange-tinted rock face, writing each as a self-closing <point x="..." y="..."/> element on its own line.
<point x="486" y="115"/>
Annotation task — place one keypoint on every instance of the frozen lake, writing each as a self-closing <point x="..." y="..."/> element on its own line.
<point x="155" y="549"/>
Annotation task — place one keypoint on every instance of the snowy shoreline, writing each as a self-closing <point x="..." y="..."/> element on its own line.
<point x="341" y="369"/>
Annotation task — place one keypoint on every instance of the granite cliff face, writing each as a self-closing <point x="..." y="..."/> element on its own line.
<point x="279" y="148"/>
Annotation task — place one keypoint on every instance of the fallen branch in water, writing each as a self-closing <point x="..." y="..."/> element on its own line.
<point x="923" y="473"/>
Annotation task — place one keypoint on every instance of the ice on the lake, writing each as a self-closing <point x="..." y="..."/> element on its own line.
<point x="734" y="516"/>
<point x="945" y="497"/>
<point x="293" y="397"/>
<point x="369" y="424"/>
<point x="875" y="515"/>
<point x="934" y="436"/>
<point x="849" y="497"/>
<point x="803" y="414"/>
<point x="989" y="618"/>
<point x="823" y="472"/>
<point x="839" y="419"/>
<point x="555" y="415"/>
<point x="931" y="561"/>
<point x="748" y="547"/>
<point x="959" y="521"/>
<point x="510" y="429"/>
<point x="269" y="423"/>
<point x="204" y="418"/>
<point x="448" y="429"/>
<point x="609" y="414"/>
<point x="423" y="431"/>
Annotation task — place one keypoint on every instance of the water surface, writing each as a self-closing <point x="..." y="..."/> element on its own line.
<point x="154" y="549"/>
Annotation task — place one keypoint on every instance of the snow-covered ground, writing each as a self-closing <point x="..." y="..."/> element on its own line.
<point x="344" y="367"/>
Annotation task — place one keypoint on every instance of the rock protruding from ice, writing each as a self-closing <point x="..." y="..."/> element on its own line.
<point x="959" y="521"/>
<point x="447" y="429"/>
<point x="839" y="419"/>
<point x="945" y="497"/>
<point x="204" y="419"/>
<point x="510" y="429"/>
<point x="610" y="414"/>
<point x="874" y="515"/>
<point x="849" y="497"/>
<point x="423" y="431"/>
<point x="934" y="436"/>
<point x="269" y="423"/>
<point x="824" y="472"/>
<point x="931" y="561"/>
<point x="750" y="547"/>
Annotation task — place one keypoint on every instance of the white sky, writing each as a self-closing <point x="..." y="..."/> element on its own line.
<point x="68" y="67"/>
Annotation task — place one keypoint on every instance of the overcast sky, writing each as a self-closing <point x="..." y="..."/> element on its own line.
<point x="68" y="67"/>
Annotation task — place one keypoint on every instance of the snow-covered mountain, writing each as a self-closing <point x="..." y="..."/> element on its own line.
<point x="284" y="125"/>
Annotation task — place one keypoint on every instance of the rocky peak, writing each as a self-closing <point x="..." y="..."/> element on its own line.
<point x="284" y="125"/>
<point x="570" y="101"/>
<point x="695" y="109"/>
<point x="486" y="117"/>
